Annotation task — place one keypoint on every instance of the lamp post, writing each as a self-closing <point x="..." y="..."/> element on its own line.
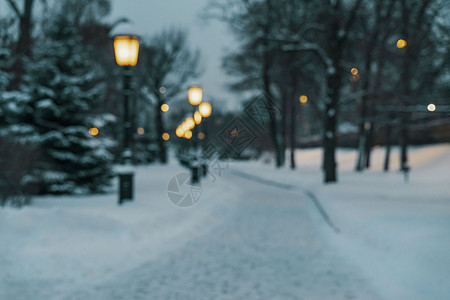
<point x="195" y="97"/>
<point x="126" y="51"/>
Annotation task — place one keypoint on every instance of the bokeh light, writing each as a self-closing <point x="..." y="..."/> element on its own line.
<point x="303" y="99"/>
<point x="201" y="136"/>
<point x="190" y="123"/>
<point x="140" y="131"/>
<point x="195" y="95"/>
<point x="205" y="109"/>
<point x="165" y="107"/>
<point x="197" y="117"/>
<point x="179" y="132"/>
<point x="188" y="134"/>
<point x="354" y="71"/>
<point x="401" y="43"/>
<point x="431" y="107"/>
<point x="165" y="136"/>
<point x="93" y="131"/>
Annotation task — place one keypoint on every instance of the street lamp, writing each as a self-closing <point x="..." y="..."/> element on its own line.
<point x="195" y="95"/>
<point x="197" y="117"/>
<point x="205" y="109"/>
<point x="126" y="51"/>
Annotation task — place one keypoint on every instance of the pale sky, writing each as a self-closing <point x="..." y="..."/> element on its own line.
<point x="212" y="37"/>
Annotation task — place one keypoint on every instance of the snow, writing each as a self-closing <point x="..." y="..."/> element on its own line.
<point x="255" y="236"/>
<point x="397" y="233"/>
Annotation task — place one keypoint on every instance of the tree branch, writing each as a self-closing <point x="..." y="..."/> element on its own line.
<point x="310" y="47"/>
<point x="350" y="20"/>
<point x="14" y="8"/>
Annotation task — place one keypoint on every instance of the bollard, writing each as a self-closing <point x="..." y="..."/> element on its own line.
<point x="125" y="187"/>
<point x="195" y="170"/>
<point x="204" y="169"/>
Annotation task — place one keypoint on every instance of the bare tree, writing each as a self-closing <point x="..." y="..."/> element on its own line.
<point x="166" y="65"/>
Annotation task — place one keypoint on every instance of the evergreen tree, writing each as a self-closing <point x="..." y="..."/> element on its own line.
<point x="65" y="87"/>
<point x="17" y="151"/>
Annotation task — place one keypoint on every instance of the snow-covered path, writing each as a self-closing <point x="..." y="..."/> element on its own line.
<point x="254" y="234"/>
<point x="261" y="248"/>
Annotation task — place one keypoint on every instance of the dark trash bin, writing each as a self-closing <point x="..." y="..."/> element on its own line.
<point x="125" y="187"/>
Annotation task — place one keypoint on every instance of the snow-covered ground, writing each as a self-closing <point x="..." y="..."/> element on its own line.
<point x="255" y="234"/>
<point x="396" y="232"/>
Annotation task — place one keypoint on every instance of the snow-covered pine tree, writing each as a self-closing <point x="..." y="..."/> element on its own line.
<point x="65" y="87"/>
<point x="18" y="153"/>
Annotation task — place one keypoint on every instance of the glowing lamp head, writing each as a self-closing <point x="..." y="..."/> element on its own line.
<point x="190" y="123"/>
<point x="197" y="117"/>
<point x="126" y="50"/>
<point x="354" y="71"/>
<point x="205" y="109"/>
<point x="188" y="134"/>
<point x="165" y="136"/>
<point x="179" y="132"/>
<point x="184" y="126"/>
<point x="195" y="95"/>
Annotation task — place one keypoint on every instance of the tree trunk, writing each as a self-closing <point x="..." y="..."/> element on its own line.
<point x="23" y="46"/>
<point x="292" y="132"/>
<point x="388" y="147"/>
<point x="284" y="126"/>
<point x="404" y="143"/>
<point x="279" y="155"/>
<point x="334" y="78"/>
<point x="361" y="131"/>
<point x="24" y="42"/>
<point x="330" y="141"/>
<point x="368" y="145"/>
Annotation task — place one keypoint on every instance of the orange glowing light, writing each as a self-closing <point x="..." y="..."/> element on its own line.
<point x="93" y="131"/>
<point x="165" y="107"/>
<point x="205" y="109"/>
<point x="165" y="136"/>
<point x="303" y="99"/>
<point x="190" y="123"/>
<point x="195" y="95"/>
<point x="401" y="43"/>
<point x="188" y="134"/>
<point x="201" y="136"/>
<point x="140" y="131"/>
<point x="126" y="50"/>
<point x="179" y="132"/>
<point x="184" y="126"/>
<point x="197" y="117"/>
<point x="354" y="71"/>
